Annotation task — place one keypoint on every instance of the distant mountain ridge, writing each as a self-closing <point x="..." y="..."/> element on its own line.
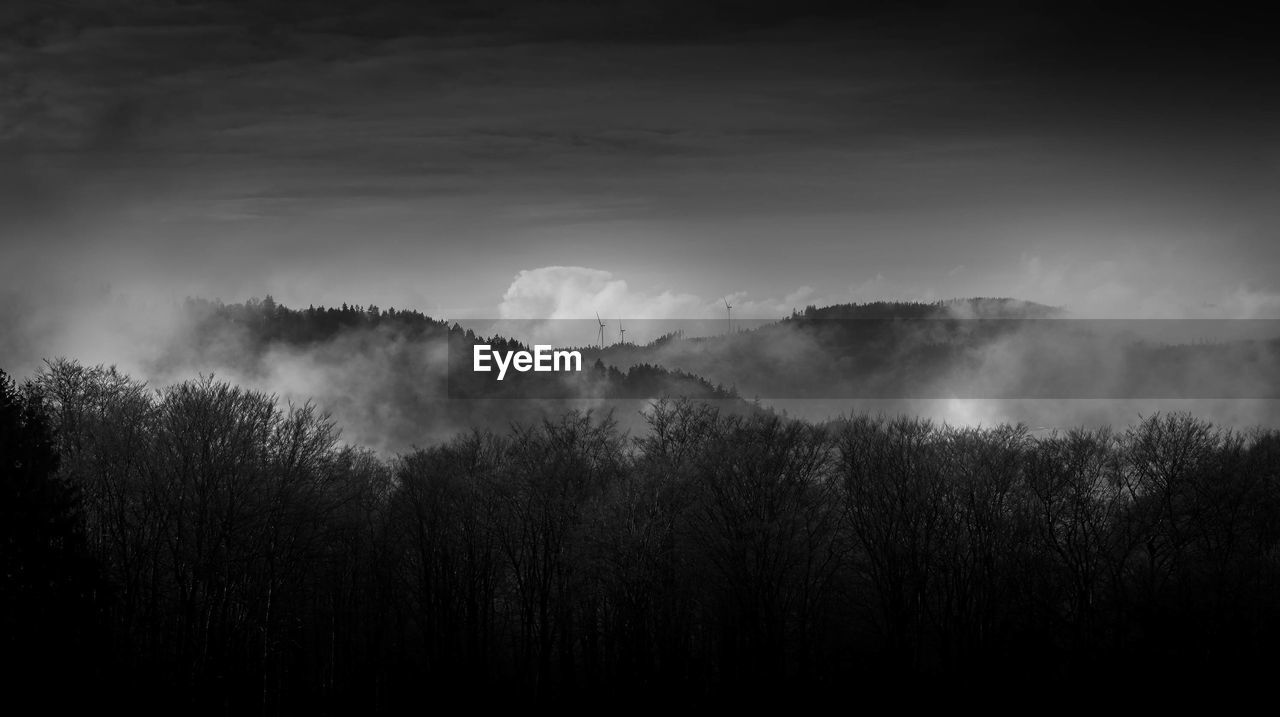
<point x="399" y="368"/>
<point x="244" y="336"/>
<point x="976" y="307"/>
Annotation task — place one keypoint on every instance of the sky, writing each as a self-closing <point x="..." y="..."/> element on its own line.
<point x="640" y="158"/>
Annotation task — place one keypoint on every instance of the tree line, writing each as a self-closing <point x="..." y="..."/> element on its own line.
<point x="205" y="548"/>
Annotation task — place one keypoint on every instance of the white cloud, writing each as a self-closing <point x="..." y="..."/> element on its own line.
<point x="576" y="292"/>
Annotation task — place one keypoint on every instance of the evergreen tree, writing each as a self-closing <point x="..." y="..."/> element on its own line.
<point x="48" y="583"/>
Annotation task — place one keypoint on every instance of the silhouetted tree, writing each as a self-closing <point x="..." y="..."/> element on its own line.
<point x="50" y="593"/>
<point x="254" y="563"/>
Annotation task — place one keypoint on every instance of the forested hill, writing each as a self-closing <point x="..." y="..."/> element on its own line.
<point x="240" y="335"/>
<point x="831" y="346"/>
<point x="874" y="350"/>
<point x="386" y="374"/>
<point x="977" y="307"/>
<point x="264" y="321"/>
<point x="979" y="348"/>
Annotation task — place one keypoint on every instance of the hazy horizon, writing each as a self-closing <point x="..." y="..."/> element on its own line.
<point x="553" y="158"/>
<point x="647" y="159"/>
<point x="234" y="506"/>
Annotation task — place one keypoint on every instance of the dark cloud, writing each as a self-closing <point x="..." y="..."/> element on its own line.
<point x="1121" y="159"/>
<point x="230" y="143"/>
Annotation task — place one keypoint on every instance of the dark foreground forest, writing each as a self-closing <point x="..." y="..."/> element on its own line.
<point x="206" y="549"/>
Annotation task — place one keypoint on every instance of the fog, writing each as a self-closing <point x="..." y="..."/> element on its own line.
<point x="389" y="392"/>
<point x="501" y="164"/>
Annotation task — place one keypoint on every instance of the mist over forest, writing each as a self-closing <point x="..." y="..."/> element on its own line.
<point x="309" y="523"/>
<point x="384" y="374"/>
<point x="210" y="549"/>
<point x="930" y="356"/>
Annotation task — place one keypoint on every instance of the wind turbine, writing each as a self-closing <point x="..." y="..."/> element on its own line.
<point x="598" y="321"/>
<point x="622" y="332"/>
<point x="728" y="308"/>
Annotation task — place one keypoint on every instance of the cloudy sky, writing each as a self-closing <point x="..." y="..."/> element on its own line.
<point x="644" y="157"/>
